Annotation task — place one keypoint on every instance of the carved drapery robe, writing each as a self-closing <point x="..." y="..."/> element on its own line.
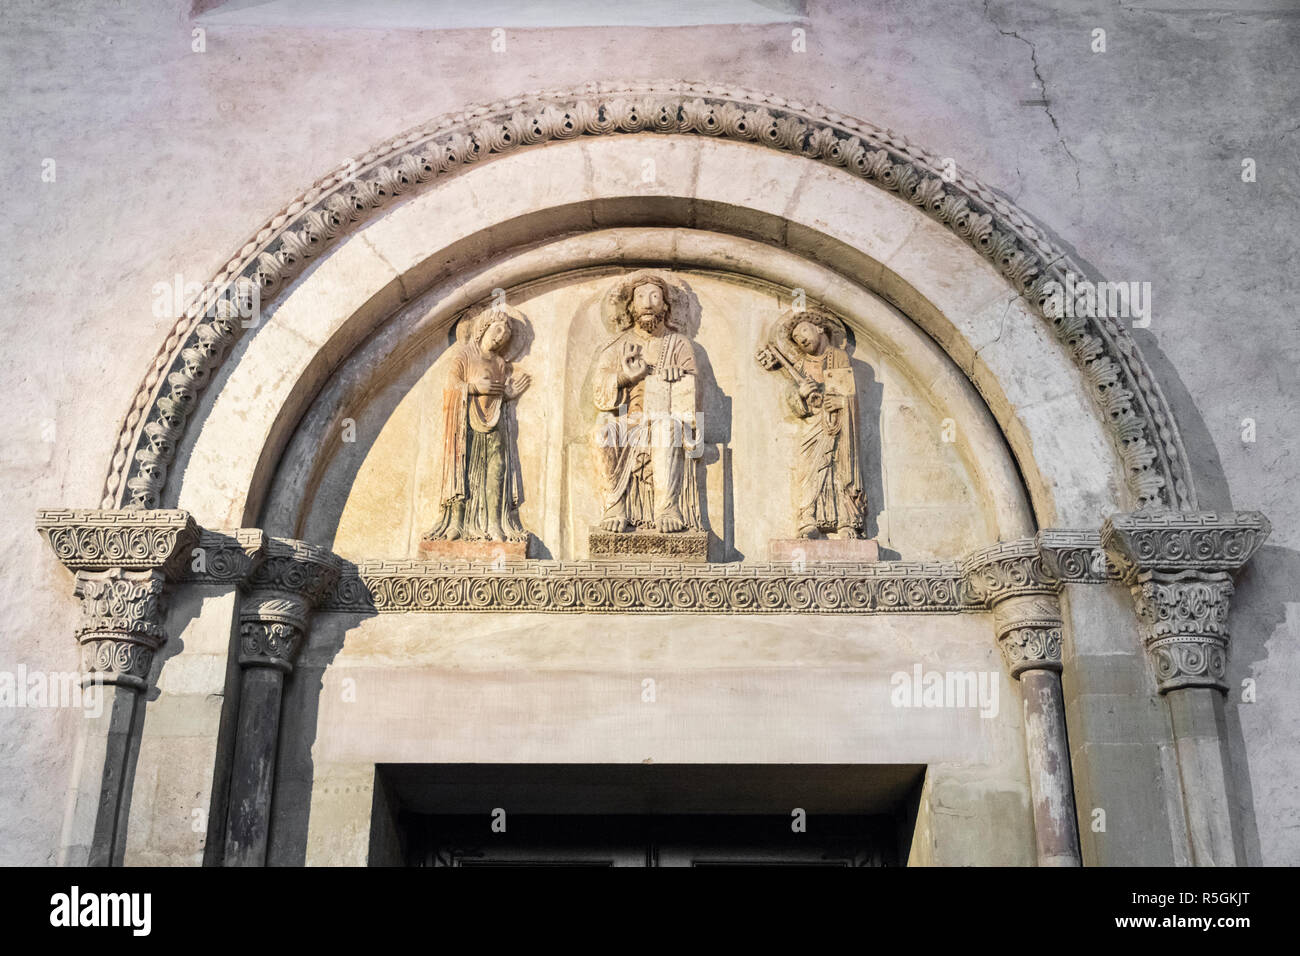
<point x="480" y="462"/>
<point x="829" y="471"/>
<point x="646" y="438"/>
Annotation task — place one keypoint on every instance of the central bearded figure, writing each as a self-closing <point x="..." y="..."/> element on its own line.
<point x="646" y="439"/>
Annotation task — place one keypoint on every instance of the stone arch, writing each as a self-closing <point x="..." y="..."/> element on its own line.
<point x="688" y="130"/>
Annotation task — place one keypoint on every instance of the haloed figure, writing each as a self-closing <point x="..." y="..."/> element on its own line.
<point x="481" y="487"/>
<point x="821" y="391"/>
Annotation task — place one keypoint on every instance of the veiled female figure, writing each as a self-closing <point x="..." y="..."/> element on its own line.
<point x="481" y="487"/>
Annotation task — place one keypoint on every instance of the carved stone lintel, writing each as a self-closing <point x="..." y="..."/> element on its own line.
<point x="1179" y="567"/>
<point x="121" y="624"/>
<point x="1029" y="629"/>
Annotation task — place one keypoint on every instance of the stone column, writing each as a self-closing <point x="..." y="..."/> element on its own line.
<point x="1010" y="579"/>
<point x="273" y="618"/>
<point x="1179" y="567"/>
<point x="124" y="562"/>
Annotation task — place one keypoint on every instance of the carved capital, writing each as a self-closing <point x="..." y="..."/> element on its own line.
<point x="284" y="584"/>
<point x="1005" y="570"/>
<point x="269" y="644"/>
<point x="1183" y="622"/>
<point x="1179" y="567"/>
<point x="1029" y="630"/>
<point x="1173" y="541"/>
<point x="91" y="540"/>
<point x="121" y="624"/>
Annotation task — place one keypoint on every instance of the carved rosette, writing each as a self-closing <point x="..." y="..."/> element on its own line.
<point x="1029" y="629"/>
<point x="1179" y="569"/>
<point x="283" y="587"/>
<point x="121" y="624"/>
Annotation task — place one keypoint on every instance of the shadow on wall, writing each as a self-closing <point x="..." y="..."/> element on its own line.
<point x="1265" y="591"/>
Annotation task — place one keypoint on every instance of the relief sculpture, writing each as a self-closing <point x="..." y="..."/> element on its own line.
<point x="646" y="439"/>
<point x="809" y="348"/>
<point x="480" y="484"/>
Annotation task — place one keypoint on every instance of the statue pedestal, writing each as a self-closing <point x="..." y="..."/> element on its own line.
<point x="483" y="552"/>
<point x="691" y="547"/>
<point x="823" y="550"/>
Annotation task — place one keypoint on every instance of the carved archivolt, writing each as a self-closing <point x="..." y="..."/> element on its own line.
<point x="1134" y="409"/>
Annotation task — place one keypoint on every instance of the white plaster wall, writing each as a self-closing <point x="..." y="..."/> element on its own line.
<point x="168" y="159"/>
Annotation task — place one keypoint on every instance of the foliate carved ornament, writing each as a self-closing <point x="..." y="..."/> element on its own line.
<point x="1180" y="567"/>
<point x="1007" y="569"/>
<point x="286" y="582"/>
<point x="650" y="587"/>
<point x="1029" y="630"/>
<point x="123" y="561"/>
<point x="95" y="540"/>
<point x="225" y="557"/>
<point x="1145" y="434"/>
<point x="121" y="625"/>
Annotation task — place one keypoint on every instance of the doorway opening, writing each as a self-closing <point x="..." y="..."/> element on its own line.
<point x="645" y="815"/>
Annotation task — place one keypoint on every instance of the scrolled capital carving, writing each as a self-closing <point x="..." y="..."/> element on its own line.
<point x="1183" y="623"/>
<point x="1179" y="568"/>
<point x="1173" y="541"/>
<point x="99" y="540"/>
<point x="269" y="644"/>
<point x="121" y="624"/>
<point x="288" y="580"/>
<point x="1005" y="570"/>
<point x="1029" y="631"/>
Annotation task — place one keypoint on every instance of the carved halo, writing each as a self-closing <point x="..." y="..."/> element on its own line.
<point x="614" y="305"/>
<point x="472" y="324"/>
<point x="782" y="331"/>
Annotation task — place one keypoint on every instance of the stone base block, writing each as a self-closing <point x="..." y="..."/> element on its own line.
<point x="823" y="550"/>
<point x="484" y="552"/>
<point x="687" y="546"/>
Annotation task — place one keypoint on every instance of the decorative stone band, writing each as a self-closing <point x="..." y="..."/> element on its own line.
<point x="1144" y="432"/>
<point x="1077" y="557"/>
<point x="650" y="587"/>
<point x="1179" y="569"/>
<point x="285" y="581"/>
<point x="1029" y="629"/>
<point x="121" y="624"/>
